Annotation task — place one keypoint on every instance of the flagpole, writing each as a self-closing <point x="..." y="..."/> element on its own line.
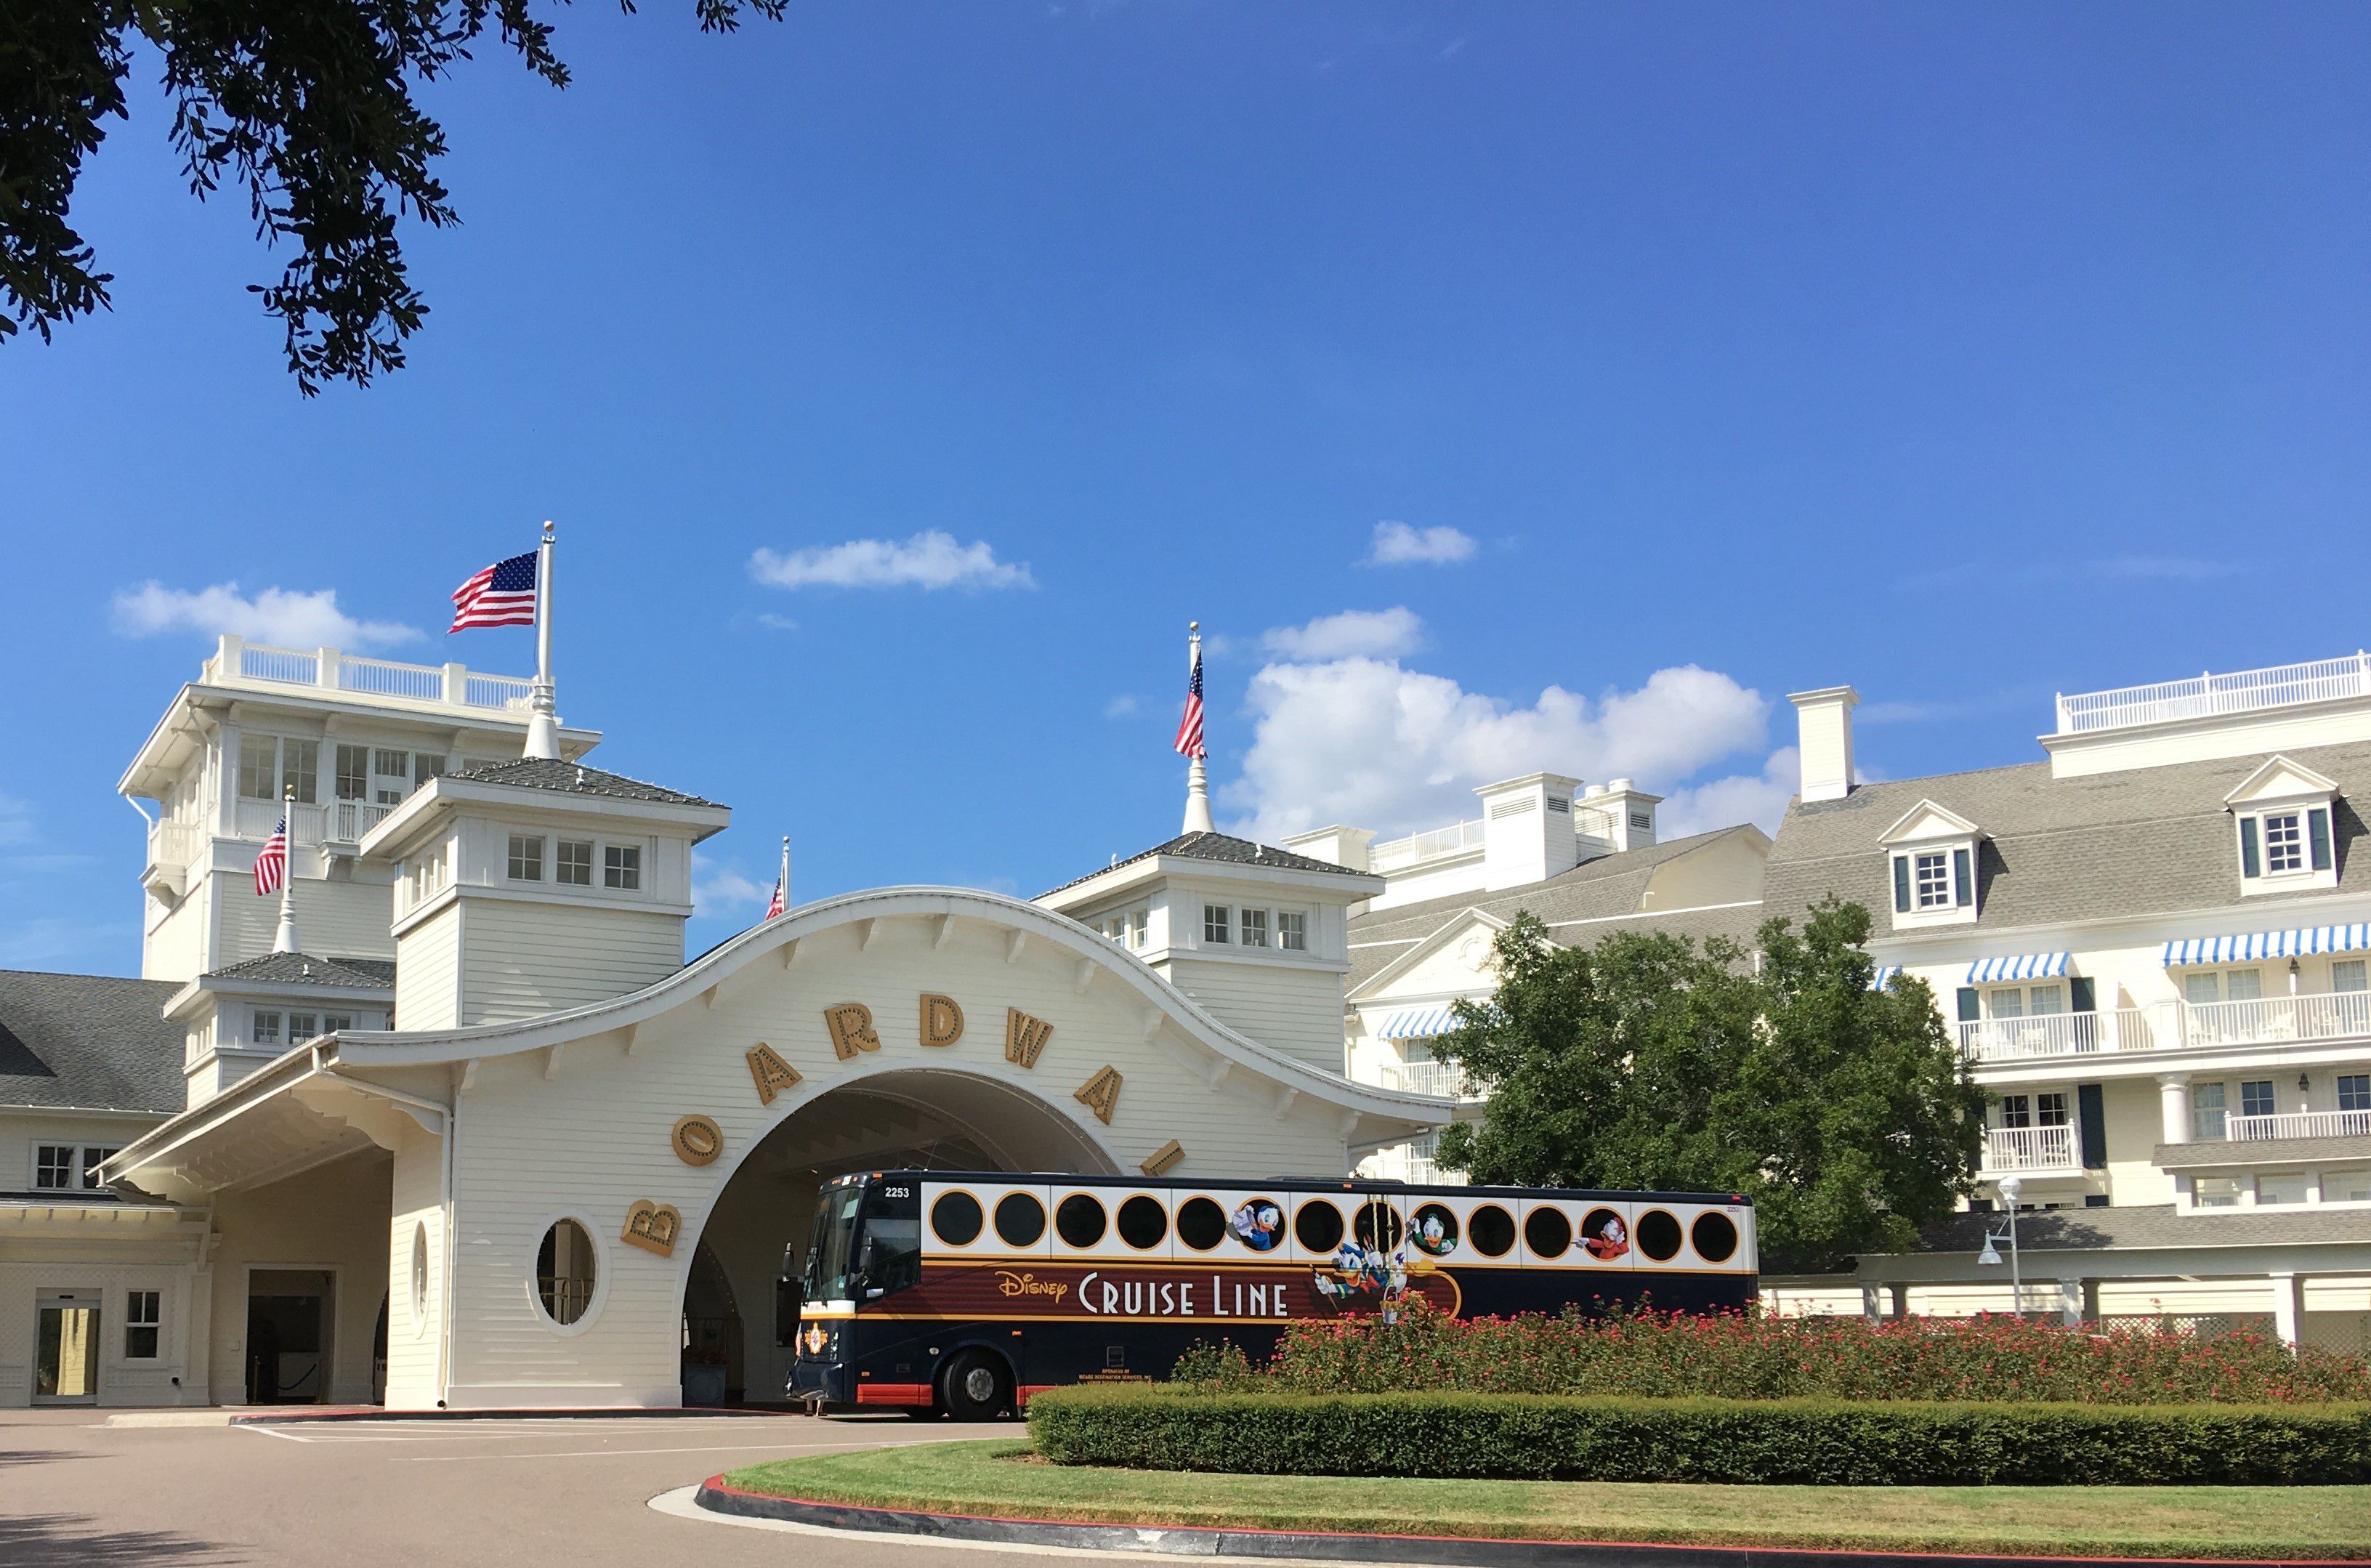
<point x="786" y="873"/>
<point x="1198" y="777"/>
<point x="543" y="723"/>
<point x="284" y="939"/>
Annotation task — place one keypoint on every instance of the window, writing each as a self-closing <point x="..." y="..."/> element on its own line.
<point x="301" y="1027"/>
<point x="2017" y="1110"/>
<point x="2201" y="989"/>
<point x="2256" y="1098"/>
<point x="2206" y="1111"/>
<point x="526" y="858"/>
<point x="143" y="1314"/>
<point x="1216" y="918"/>
<point x="353" y="773"/>
<point x="2284" y="843"/>
<point x="424" y="766"/>
<point x="2050" y="1109"/>
<point x="2046" y="999"/>
<point x="259" y="768"/>
<point x="333" y="1022"/>
<point x="1292" y="930"/>
<point x="267" y="1027"/>
<point x="54" y="1166"/>
<point x="2280" y="1189"/>
<point x="2216" y="1191"/>
<point x="1137" y="920"/>
<point x="621" y="866"/>
<point x="2009" y="1003"/>
<point x="2355" y="1092"/>
<point x="92" y="1159"/>
<point x="1932" y="872"/>
<point x="2243" y="984"/>
<point x="2346" y="1186"/>
<point x="2290" y="841"/>
<point x="1255" y="927"/>
<point x="564" y="1271"/>
<point x="574" y="867"/>
<point x="2349" y="975"/>
<point x="300" y="766"/>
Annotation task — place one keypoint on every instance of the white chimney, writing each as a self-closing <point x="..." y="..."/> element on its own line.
<point x="1341" y="845"/>
<point x="1527" y="833"/>
<point x="1629" y="812"/>
<point x="1823" y="720"/>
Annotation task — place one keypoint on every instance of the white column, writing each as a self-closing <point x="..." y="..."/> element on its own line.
<point x="2288" y="1308"/>
<point x="2071" y="1297"/>
<point x="1872" y="1303"/>
<point x="2173" y="1104"/>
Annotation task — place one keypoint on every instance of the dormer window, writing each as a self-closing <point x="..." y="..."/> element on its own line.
<point x="1929" y="879"/>
<point x="1931" y="857"/>
<point x="2281" y="815"/>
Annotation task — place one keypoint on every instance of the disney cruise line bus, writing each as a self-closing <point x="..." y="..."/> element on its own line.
<point x="964" y="1292"/>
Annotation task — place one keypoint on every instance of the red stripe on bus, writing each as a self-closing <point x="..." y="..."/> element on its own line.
<point x="893" y="1393"/>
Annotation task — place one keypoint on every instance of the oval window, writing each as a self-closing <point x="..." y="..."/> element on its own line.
<point x="1078" y="1220"/>
<point x="1491" y="1230"/>
<point x="1143" y="1223"/>
<point x="1020" y="1219"/>
<point x="1257" y="1223"/>
<point x="1714" y="1234"/>
<point x="1659" y="1234"/>
<point x="1604" y="1235"/>
<point x="1377" y="1226"/>
<point x="955" y="1218"/>
<point x="564" y="1271"/>
<point x="1434" y="1229"/>
<point x="1547" y="1232"/>
<point x="1318" y="1225"/>
<point x="1200" y="1224"/>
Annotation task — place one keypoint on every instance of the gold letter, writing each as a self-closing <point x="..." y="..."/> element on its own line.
<point x="852" y="1029"/>
<point x="942" y="1019"/>
<point x="697" y="1140"/>
<point x="772" y="1074"/>
<point x="652" y="1227"/>
<point x="1164" y="1158"/>
<point x="1024" y="1037"/>
<point x="1100" y="1093"/>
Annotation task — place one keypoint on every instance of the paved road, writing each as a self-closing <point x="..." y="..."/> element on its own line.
<point x="504" y="1493"/>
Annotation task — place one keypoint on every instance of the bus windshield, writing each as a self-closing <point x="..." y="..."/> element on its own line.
<point x="832" y="1251"/>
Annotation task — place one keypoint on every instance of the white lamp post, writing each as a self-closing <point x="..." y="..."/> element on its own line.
<point x="2010" y="1186"/>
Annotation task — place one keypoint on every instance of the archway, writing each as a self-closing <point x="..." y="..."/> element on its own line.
<point x="929" y="1118"/>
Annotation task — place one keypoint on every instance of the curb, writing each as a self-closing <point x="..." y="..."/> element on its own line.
<point x="1448" y="1551"/>
<point x="285" y="1415"/>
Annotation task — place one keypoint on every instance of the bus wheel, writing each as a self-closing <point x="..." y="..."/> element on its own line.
<point x="976" y="1387"/>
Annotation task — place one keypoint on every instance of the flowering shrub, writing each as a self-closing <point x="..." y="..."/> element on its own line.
<point x="1739" y="1356"/>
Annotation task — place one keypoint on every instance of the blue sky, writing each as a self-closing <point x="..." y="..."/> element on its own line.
<point x="1961" y="353"/>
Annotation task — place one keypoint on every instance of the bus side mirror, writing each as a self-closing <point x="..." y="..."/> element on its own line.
<point x="790" y="1296"/>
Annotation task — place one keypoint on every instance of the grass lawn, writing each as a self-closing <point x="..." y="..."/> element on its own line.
<point x="997" y="1479"/>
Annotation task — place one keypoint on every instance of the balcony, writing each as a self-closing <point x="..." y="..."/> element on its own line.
<point x="171" y="846"/>
<point x="2027" y="1150"/>
<point x="2212" y="695"/>
<point x="2300" y="1124"/>
<point x="1399" y="854"/>
<point x="330" y="821"/>
<point x="2169" y="1026"/>
<point x="1444" y="1078"/>
<point x="384" y="681"/>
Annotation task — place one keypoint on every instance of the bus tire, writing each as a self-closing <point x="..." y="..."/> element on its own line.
<point x="975" y="1386"/>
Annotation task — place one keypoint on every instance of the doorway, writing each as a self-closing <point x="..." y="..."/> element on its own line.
<point x="65" y="1359"/>
<point x="288" y="1336"/>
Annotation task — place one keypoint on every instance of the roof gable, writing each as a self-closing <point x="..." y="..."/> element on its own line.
<point x="1441" y="961"/>
<point x="1928" y="821"/>
<point x="2279" y="778"/>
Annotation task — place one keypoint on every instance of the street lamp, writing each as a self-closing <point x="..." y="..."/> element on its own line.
<point x="2010" y="1186"/>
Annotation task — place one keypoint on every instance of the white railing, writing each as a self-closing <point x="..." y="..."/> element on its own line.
<point x="2208" y="694"/>
<point x="2055" y="1034"/>
<point x="2170" y="1026"/>
<point x="2030" y="1149"/>
<point x="1428" y="846"/>
<point x="240" y="662"/>
<point x="1445" y="1078"/>
<point x="173" y="845"/>
<point x="2300" y="1124"/>
<point x="331" y="821"/>
<point x="2272" y="1021"/>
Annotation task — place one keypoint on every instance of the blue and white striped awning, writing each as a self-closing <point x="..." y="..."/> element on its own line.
<point x="2247" y="945"/>
<point x="1885" y="973"/>
<point x="1415" y="1024"/>
<point x="2017" y="966"/>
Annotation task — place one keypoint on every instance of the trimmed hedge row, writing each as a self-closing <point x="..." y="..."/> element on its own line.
<point x="1808" y="1442"/>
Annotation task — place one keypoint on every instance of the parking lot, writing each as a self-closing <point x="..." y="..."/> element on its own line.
<point x="73" y="1490"/>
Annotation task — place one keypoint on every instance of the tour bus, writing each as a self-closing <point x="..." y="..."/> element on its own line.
<point x="966" y="1292"/>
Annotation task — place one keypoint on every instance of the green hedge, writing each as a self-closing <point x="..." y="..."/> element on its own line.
<point x="1809" y="1442"/>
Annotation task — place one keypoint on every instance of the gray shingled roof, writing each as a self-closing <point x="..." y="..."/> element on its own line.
<point x="1738" y="923"/>
<point x="575" y="778"/>
<point x="88" y="1041"/>
<point x="1217" y="847"/>
<point x="302" y="969"/>
<point x="2148" y="1224"/>
<point x="2144" y="841"/>
<point x="1609" y="885"/>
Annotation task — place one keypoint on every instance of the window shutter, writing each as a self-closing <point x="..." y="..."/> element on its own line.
<point x="1963" y="881"/>
<point x="2249" y="865"/>
<point x="1971" y="1005"/>
<point x="1901" y="885"/>
<point x="2091" y="1104"/>
<point x="2082" y="991"/>
<point x="2317" y="823"/>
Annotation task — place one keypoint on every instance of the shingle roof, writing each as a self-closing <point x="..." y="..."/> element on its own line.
<point x="88" y="1041"/>
<point x="575" y="778"/>
<point x="1609" y="885"/>
<point x="2143" y="841"/>
<point x="1737" y="922"/>
<point x="1216" y="847"/>
<point x="2147" y="1225"/>
<point x="302" y="969"/>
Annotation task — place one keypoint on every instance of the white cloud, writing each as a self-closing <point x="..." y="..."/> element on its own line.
<point x="719" y="890"/>
<point x="1396" y="544"/>
<point x="773" y="622"/>
<point x="929" y="560"/>
<point x="1363" y="741"/>
<point x="1374" y="634"/>
<point x="276" y="615"/>
<point x="1759" y="798"/>
<point x="1120" y="707"/>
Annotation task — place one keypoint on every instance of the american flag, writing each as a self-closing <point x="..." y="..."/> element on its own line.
<point x="271" y="866"/>
<point x="774" y="904"/>
<point x="1189" y="727"/>
<point x="502" y="595"/>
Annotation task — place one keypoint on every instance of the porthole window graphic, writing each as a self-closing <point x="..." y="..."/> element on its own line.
<point x="1143" y="1223"/>
<point x="1491" y="1230"/>
<point x="1201" y="1224"/>
<point x="564" y="1273"/>
<point x="1714" y="1234"/>
<point x="1258" y="1223"/>
<point x="955" y="1218"/>
<point x="1020" y="1219"/>
<point x="1433" y="1227"/>
<point x="1604" y="1236"/>
<point x="1318" y="1225"/>
<point x="1659" y="1234"/>
<point x="1547" y="1232"/>
<point x="1080" y="1221"/>
<point x="1377" y="1226"/>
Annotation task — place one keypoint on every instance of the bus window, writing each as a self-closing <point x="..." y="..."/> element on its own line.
<point x="835" y="1238"/>
<point x="889" y="1256"/>
<point x="1659" y="1234"/>
<point x="1201" y="1224"/>
<point x="1078" y="1220"/>
<point x="1548" y="1232"/>
<point x="1143" y="1223"/>
<point x="955" y="1218"/>
<point x="1020" y="1219"/>
<point x="1433" y="1227"/>
<point x="1377" y="1224"/>
<point x="1317" y="1227"/>
<point x="1258" y="1223"/>
<point x="1714" y="1234"/>
<point x="1605" y="1235"/>
<point x="1491" y="1230"/>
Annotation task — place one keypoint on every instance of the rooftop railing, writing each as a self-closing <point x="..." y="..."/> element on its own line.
<point x="1393" y="853"/>
<point x="2209" y="695"/>
<point x="236" y="662"/>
